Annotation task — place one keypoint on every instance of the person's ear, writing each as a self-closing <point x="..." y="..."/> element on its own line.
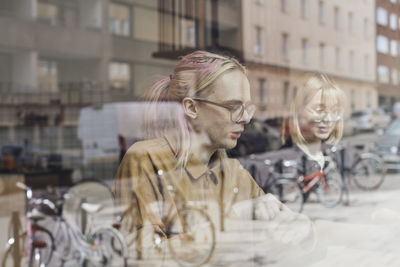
<point x="189" y="107"/>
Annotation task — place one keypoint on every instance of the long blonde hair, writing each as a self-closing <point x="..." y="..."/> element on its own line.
<point x="310" y="87"/>
<point x="194" y="74"/>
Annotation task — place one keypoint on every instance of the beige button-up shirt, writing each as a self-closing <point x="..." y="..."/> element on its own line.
<point x="148" y="180"/>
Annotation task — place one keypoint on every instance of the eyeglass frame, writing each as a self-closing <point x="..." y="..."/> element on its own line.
<point x="325" y="114"/>
<point x="229" y="107"/>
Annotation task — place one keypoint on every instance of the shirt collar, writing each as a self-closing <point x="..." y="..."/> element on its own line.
<point x="194" y="166"/>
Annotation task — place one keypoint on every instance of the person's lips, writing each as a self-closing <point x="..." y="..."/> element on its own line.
<point x="235" y="134"/>
<point x="323" y="129"/>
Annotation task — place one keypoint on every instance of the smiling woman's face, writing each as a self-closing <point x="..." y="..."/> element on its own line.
<point x="321" y="116"/>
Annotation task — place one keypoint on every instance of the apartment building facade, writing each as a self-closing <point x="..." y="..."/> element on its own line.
<point x="388" y="51"/>
<point x="59" y="56"/>
<point x="283" y="39"/>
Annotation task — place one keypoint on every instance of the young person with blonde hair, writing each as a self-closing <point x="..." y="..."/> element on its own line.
<point x="192" y="116"/>
<point x="317" y="116"/>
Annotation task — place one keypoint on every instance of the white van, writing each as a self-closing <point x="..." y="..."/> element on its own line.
<point x="100" y="129"/>
<point x="108" y="131"/>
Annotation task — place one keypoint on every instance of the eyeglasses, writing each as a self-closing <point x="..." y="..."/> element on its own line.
<point x="236" y="109"/>
<point x="325" y="115"/>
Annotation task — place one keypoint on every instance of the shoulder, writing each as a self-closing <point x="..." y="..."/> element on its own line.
<point x="236" y="169"/>
<point x="148" y="147"/>
<point x="234" y="163"/>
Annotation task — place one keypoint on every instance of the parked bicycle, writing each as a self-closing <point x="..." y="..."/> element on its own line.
<point x="28" y="248"/>
<point x="366" y="169"/>
<point x="63" y="242"/>
<point x="16" y="243"/>
<point x="293" y="189"/>
<point x="187" y="230"/>
<point x="280" y="183"/>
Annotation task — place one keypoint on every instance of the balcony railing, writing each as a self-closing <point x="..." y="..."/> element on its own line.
<point x="69" y="93"/>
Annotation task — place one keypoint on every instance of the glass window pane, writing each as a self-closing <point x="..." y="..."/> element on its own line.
<point x="119" y="19"/>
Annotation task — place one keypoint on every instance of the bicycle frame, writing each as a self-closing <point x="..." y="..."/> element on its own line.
<point x="85" y="248"/>
<point x="311" y="180"/>
<point x="171" y="227"/>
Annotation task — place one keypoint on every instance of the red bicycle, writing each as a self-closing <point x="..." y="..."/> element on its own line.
<point x="294" y="191"/>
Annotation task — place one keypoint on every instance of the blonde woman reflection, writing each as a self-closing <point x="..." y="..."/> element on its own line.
<point x="194" y="114"/>
<point x="317" y="121"/>
<point x="317" y="116"/>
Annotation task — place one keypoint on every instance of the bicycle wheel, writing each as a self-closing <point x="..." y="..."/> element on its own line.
<point x="329" y="195"/>
<point x="191" y="237"/>
<point x="15" y="254"/>
<point x="368" y="172"/>
<point x="128" y="228"/>
<point x="42" y="247"/>
<point x="92" y="192"/>
<point x="112" y="246"/>
<point x="289" y="193"/>
<point x="62" y="241"/>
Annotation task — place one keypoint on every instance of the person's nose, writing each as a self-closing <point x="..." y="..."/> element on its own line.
<point x="328" y="117"/>
<point x="246" y="117"/>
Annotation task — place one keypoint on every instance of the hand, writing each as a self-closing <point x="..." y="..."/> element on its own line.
<point x="283" y="224"/>
<point x="267" y="207"/>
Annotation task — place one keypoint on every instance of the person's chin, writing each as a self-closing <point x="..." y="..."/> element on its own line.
<point x="322" y="136"/>
<point x="230" y="143"/>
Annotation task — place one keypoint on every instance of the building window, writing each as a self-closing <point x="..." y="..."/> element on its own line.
<point x="47" y="76"/>
<point x="191" y="35"/>
<point x="321" y="18"/>
<point x="393" y="21"/>
<point x="368" y="99"/>
<point x="260" y="2"/>
<point x="303" y="8"/>
<point x="263" y="91"/>
<point x="350" y="21"/>
<point x="284" y="6"/>
<point x="258" y="48"/>
<point x="366" y="64"/>
<point x="381" y="16"/>
<point x="393" y="48"/>
<point x="119" y="18"/>
<point x="286" y="93"/>
<point x="382" y="44"/>
<point x="395" y="77"/>
<point x="366" y="25"/>
<point x="304" y="45"/>
<point x="337" y="58"/>
<point x="119" y="74"/>
<point x="351" y="61"/>
<point x="383" y="74"/>
<point x="322" y="55"/>
<point x="285" y="46"/>
<point x="47" y="13"/>
<point x="336" y="15"/>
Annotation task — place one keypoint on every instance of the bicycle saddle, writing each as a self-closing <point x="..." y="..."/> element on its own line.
<point x="35" y="215"/>
<point x="91" y="208"/>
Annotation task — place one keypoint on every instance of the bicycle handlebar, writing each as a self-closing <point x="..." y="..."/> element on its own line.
<point x="36" y="201"/>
